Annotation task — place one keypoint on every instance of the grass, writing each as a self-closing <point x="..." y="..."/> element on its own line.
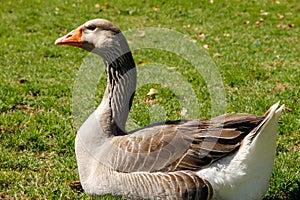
<point x="258" y="58"/>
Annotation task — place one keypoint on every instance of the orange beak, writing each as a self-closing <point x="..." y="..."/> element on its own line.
<point x="73" y="38"/>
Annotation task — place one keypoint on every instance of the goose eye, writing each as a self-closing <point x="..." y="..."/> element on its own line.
<point x="91" y="28"/>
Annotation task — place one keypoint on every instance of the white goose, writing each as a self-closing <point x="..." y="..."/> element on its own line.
<point x="228" y="157"/>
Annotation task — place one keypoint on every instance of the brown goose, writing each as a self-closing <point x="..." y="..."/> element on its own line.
<point x="228" y="157"/>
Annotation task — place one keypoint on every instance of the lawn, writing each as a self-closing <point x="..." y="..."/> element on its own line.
<point x="254" y="45"/>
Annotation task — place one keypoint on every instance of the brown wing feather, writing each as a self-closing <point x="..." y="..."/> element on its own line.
<point x="168" y="185"/>
<point x="181" y="145"/>
<point x="222" y="137"/>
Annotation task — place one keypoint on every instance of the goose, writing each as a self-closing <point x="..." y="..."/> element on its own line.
<point x="228" y="157"/>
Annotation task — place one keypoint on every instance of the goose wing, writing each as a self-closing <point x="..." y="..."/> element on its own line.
<point x="181" y="145"/>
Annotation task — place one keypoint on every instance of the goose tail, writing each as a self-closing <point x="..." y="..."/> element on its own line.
<point x="257" y="155"/>
<point x="267" y="129"/>
<point x="262" y="139"/>
<point x="259" y="149"/>
<point x="246" y="174"/>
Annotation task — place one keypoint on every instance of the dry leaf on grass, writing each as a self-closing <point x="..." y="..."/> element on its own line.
<point x="280" y="16"/>
<point x="218" y="55"/>
<point x="183" y="112"/>
<point x="143" y="33"/>
<point x="282" y="87"/>
<point x="283" y="26"/>
<point x="259" y="22"/>
<point x="143" y="63"/>
<point x="156" y="9"/>
<point x="152" y="92"/>
<point x="206" y="46"/>
<point x="75" y="186"/>
<point x="201" y="36"/>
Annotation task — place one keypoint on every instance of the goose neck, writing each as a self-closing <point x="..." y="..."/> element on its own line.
<point x="116" y="103"/>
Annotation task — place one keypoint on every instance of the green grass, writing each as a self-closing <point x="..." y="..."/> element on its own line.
<point x="259" y="66"/>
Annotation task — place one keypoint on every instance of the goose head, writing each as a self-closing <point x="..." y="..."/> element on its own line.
<point x="99" y="36"/>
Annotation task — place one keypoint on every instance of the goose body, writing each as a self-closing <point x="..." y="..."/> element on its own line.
<point x="227" y="157"/>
